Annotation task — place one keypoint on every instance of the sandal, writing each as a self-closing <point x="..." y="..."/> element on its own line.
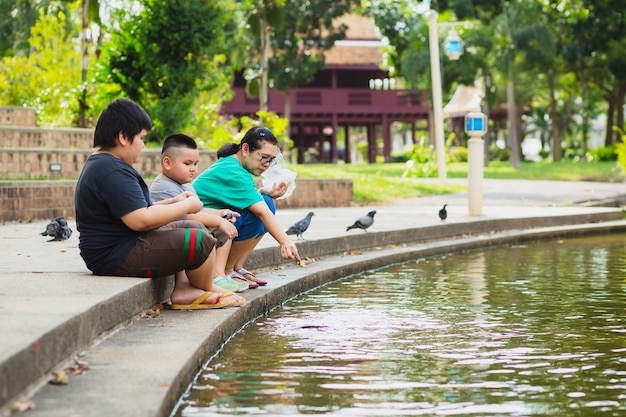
<point x="233" y="303"/>
<point x="243" y="272"/>
<point x="229" y="284"/>
<point x="241" y="279"/>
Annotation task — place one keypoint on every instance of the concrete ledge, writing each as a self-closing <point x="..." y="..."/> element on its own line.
<point x="123" y="378"/>
<point x="264" y="257"/>
<point x="100" y="305"/>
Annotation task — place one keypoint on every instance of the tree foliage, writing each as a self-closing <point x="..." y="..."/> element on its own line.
<point x="45" y="78"/>
<point x="562" y="56"/>
<point x="163" y="56"/>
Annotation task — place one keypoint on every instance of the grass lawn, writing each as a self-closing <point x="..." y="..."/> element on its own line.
<point x="377" y="183"/>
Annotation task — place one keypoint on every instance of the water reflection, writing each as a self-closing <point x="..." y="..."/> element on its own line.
<point x="522" y="330"/>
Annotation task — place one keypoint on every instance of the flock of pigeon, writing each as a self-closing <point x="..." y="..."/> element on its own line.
<point x="364" y="222"/>
<point x="59" y="230"/>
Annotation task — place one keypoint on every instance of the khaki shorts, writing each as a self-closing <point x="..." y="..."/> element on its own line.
<point x="220" y="236"/>
<point x="169" y="249"/>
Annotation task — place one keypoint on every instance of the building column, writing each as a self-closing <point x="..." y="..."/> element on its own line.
<point x="386" y="139"/>
<point x="371" y="143"/>
<point x="301" y="143"/>
<point x="333" y="141"/>
<point x="347" y="157"/>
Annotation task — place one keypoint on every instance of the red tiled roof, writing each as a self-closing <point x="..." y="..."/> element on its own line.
<point x="354" y="55"/>
<point x="360" y="28"/>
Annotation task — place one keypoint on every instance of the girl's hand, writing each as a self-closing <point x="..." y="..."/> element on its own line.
<point x="288" y="250"/>
<point x="229" y="215"/>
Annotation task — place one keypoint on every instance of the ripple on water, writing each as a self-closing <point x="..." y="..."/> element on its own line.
<point x="512" y="331"/>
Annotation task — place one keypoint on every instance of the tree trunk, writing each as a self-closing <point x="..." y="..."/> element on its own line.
<point x="556" y="137"/>
<point x="265" y="47"/>
<point x="512" y="128"/>
<point x="621" y="94"/>
<point x="287" y="112"/>
<point x="82" y="101"/>
<point x="610" y="122"/>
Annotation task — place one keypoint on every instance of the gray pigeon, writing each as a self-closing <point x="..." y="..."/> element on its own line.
<point x="58" y="229"/>
<point x="363" y="222"/>
<point x="300" y="226"/>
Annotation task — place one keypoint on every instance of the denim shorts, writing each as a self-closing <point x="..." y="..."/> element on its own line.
<point x="250" y="226"/>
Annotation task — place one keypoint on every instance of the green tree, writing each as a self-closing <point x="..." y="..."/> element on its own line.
<point x="169" y="52"/>
<point x="298" y="46"/>
<point x="46" y="78"/>
<point x="265" y="17"/>
<point x="18" y="17"/>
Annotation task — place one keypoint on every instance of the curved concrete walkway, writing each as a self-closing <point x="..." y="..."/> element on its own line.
<point x="56" y="315"/>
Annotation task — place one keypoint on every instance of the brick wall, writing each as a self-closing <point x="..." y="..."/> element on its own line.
<point x="43" y="200"/>
<point x="17" y="116"/>
<point x="29" y="153"/>
<point x="37" y="163"/>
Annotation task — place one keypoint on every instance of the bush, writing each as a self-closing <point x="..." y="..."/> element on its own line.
<point x="458" y="154"/>
<point x="603" y="153"/>
<point x="497" y="154"/>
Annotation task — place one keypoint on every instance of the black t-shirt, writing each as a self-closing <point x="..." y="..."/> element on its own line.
<point x="107" y="189"/>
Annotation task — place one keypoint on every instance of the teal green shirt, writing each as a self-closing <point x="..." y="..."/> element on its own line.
<point x="227" y="184"/>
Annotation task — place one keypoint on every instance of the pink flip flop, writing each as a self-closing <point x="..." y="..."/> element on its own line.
<point x="243" y="272"/>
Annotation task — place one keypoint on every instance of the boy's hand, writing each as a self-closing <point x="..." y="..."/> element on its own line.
<point x="193" y="203"/>
<point x="183" y="196"/>
<point x="228" y="228"/>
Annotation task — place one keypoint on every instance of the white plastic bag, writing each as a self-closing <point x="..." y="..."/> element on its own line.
<point x="277" y="173"/>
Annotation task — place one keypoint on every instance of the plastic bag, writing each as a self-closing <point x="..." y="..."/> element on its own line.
<point x="277" y="173"/>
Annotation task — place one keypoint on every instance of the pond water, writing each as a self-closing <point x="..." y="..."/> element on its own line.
<point x="526" y="330"/>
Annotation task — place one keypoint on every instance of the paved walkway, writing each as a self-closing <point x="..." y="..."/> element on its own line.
<point x="52" y="308"/>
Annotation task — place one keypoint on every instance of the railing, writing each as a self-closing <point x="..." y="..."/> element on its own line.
<point x="311" y="101"/>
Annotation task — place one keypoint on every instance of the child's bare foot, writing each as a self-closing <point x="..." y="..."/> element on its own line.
<point x="190" y="294"/>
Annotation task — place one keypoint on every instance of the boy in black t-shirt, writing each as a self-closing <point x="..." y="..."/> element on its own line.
<point x="123" y="233"/>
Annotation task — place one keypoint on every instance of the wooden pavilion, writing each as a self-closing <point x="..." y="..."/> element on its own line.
<point x="351" y="92"/>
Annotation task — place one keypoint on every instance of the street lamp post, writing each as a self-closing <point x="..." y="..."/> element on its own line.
<point x="435" y="71"/>
<point x="475" y="127"/>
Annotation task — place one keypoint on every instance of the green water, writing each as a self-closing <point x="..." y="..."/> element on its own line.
<point x="526" y="330"/>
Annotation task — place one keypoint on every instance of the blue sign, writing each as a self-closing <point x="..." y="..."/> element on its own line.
<point x="474" y="124"/>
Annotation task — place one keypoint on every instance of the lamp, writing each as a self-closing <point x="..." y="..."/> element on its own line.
<point x="453" y="45"/>
<point x="435" y="72"/>
<point x="454" y="49"/>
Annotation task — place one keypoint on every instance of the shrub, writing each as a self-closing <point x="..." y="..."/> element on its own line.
<point x="603" y="153"/>
<point x="458" y="154"/>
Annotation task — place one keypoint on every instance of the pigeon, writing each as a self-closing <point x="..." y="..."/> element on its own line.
<point x="300" y="226"/>
<point x="58" y="229"/>
<point x="443" y="213"/>
<point x="363" y="222"/>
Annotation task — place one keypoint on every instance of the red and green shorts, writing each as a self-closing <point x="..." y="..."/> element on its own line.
<point x="177" y="246"/>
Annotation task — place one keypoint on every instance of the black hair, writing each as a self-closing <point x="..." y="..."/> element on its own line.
<point x="120" y="116"/>
<point x="178" y="140"/>
<point x="253" y="137"/>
